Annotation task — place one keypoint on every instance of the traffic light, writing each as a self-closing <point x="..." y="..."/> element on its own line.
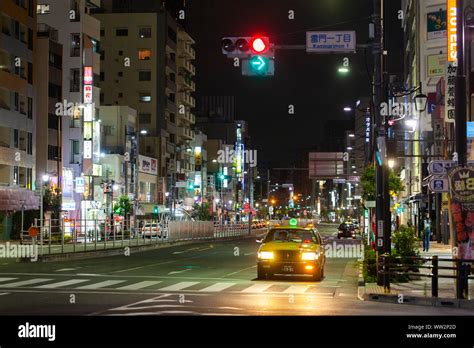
<point x="155" y="210"/>
<point x="256" y="52"/>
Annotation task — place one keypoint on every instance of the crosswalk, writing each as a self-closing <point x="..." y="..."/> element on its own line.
<point x="167" y="285"/>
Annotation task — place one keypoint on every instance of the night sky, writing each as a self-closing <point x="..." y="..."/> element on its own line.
<point x="309" y="82"/>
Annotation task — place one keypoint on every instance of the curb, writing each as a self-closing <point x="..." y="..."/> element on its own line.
<point x="420" y="301"/>
<point x="82" y="255"/>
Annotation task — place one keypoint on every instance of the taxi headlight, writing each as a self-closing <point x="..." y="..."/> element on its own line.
<point x="265" y="255"/>
<point x="310" y="256"/>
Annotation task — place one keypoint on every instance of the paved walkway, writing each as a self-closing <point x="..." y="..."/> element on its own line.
<point x="422" y="287"/>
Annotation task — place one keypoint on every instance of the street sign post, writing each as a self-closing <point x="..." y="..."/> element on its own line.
<point x="331" y="42"/>
<point x="439" y="183"/>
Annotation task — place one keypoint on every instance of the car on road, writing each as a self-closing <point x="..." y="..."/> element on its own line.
<point x="291" y="250"/>
<point x="151" y="229"/>
<point x="346" y="230"/>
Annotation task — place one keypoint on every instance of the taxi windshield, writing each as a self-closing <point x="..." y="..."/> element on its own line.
<point x="290" y="235"/>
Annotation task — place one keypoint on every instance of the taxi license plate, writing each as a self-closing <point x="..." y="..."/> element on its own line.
<point x="288" y="268"/>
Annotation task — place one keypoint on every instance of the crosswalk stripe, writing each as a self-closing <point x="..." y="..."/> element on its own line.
<point x="296" y="289"/>
<point x="257" y="288"/>
<point x="179" y="286"/>
<point x="139" y="285"/>
<point x="6" y="279"/>
<point x="100" y="284"/>
<point x="25" y="282"/>
<point x="217" y="287"/>
<point x="63" y="283"/>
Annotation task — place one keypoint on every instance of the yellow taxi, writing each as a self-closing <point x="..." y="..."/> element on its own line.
<point x="291" y="250"/>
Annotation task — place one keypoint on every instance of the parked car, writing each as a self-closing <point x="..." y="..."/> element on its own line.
<point x="150" y="229"/>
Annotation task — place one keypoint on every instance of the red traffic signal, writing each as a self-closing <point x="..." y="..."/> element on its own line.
<point x="245" y="46"/>
<point x="260" y="44"/>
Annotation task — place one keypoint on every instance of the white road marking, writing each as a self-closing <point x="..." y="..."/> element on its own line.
<point x="139" y="285"/>
<point x="217" y="287"/>
<point x="101" y="284"/>
<point x="63" y="283"/>
<point x="65" y="269"/>
<point x="257" y="288"/>
<point x="296" y="289"/>
<point x="179" y="286"/>
<point x="6" y="279"/>
<point x="25" y="282"/>
<point x="4" y="293"/>
<point x="240" y="270"/>
<point x="182" y="271"/>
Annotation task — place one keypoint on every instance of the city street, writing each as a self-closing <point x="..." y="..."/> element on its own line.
<point x="194" y="279"/>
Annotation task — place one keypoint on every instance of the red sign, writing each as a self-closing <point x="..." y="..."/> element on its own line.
<point x="246" y="207"/>
<point x="88" y="75"/>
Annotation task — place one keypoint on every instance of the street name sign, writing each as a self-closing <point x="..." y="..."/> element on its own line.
<point x="331" y="41"/>
<point x="438" y="167"/>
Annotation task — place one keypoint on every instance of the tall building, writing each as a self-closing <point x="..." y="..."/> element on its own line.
<point x="48" y="91"/>
<point x="17" y="114"/>
<point x="147" y="65"/>
<point x="79" y="34"/>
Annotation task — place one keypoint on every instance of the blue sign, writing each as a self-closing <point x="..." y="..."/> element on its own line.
<point x="470" y="129"/>
<point x="330" y="41"/>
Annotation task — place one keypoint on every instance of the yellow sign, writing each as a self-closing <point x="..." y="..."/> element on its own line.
<point x="452" y="37"/>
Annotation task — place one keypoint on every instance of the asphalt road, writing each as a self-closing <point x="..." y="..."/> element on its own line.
<point x="195" y="279"/>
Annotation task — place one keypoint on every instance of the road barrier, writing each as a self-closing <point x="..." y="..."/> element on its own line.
<point x="410" y="267"/>
<point x="71" y="236"/>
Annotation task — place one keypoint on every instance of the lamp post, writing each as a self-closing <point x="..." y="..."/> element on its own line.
<point x="45" y="179"/>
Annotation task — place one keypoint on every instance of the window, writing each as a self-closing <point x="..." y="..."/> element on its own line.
<point x="144" y="33"/>
<point x="102" y="97"/>
<point x="120" y="95"/>
<point x="30" y="73"/>
<point x="75" y="81"/>
<point x="120" y="74"/>
<point x="172" y="118"/>
<point x="144" y="54"/>
<point x="16" y="175"/>
<point x="120" y="53"/>
<point x="29" y="145"/>
<point x="30" y="39"/>
<point x="53" y="121"/>
<point x="172" y="138"/>
<point x="16" y="138"/>
<point x="53" y="153"/>
<point x="171" y="34"/>
<point x="42" y="9"/>
<point x="55" y="60"/>
<point x="107" y="130"/>
<point x="121" y="32"/>
<point x="144" y="118"/>
<point x="16" y="101"/>
<point x="75" y="154"/>
<point x="144" y="75"/>
<point x="102" y="76"/>
<point x="6" y="24"/>
<point x="102" y="32"/>
<point x="55" y="91"/>
<point x="145" y="97"/>
<point x="75" y="45"/>
<point x="30" y="8"/>
<point x="30" y="108"/>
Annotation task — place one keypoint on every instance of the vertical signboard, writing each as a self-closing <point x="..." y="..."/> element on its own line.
<point x="451" y="25"/>
<point x="461" y="185"/>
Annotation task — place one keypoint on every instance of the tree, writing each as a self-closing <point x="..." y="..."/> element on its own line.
<point x="369" y="184"/>
<point x="124" y="206"/>
<point x="201" y="212"/>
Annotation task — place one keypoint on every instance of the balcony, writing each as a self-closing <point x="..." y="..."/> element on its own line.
<point x="170" y="147"/>
<point x="45" y="30"/>
<point x="187" y="99"/>
<point x="187" y="66"/>
<point x="186" y="133"/>
<point x="171" y="106"/>
<point x="171" y="64"/>
<point x="171" y="85"/>
<point x="185" y="50"/>
<point x="185" y="83"/>
<point x="189" y="117"/>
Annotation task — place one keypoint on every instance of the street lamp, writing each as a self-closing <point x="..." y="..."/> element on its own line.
<point x="421" y="100"/>
<point x="45" y="179"/>
<point x="347" y="109"/>
<point x="391" y="163"/>
<point x="343" y="70"/>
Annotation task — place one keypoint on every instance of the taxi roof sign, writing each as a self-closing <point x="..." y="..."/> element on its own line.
<point x="293" y="222"/>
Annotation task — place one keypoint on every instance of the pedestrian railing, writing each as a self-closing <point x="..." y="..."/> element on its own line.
<point x="70" y="236"/>
<point x="412" y="267"/>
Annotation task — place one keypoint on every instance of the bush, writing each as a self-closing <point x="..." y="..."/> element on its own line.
<point x="369" y="267"/>
<point x="406" y="246"/>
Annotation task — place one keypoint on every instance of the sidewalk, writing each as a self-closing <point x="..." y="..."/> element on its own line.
<point x="418" y="291"/>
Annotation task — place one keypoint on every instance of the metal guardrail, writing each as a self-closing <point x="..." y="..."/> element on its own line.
<point x="59" y="237"/>
<point x="410" y="266"/>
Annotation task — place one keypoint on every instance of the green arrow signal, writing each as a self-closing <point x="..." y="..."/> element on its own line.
<point x="259" y="62"/>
